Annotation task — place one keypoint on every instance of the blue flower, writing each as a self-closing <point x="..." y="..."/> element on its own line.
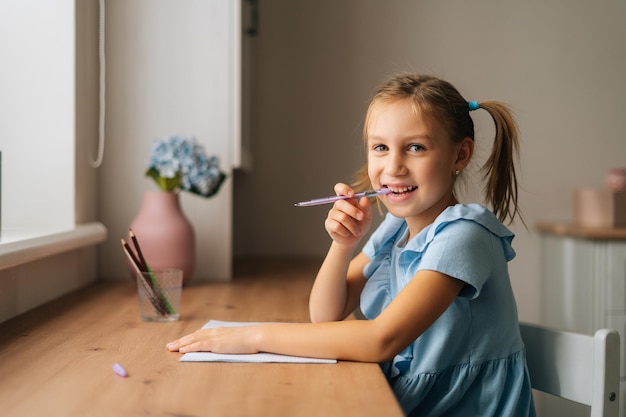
<point x="180" y="163"/>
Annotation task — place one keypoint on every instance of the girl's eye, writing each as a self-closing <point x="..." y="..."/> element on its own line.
<point x="416" y="148"/>
<point x="379" y="148"/>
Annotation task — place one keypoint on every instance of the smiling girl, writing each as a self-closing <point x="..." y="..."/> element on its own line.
<point x="432" y="280"/>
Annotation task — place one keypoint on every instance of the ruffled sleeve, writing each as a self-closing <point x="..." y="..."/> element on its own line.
<point x="459" y="242"/>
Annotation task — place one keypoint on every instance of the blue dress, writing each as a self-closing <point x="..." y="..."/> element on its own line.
<point x="471" y="361"/>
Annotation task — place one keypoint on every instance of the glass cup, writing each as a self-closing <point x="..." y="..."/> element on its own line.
<point x="159" y="294"/>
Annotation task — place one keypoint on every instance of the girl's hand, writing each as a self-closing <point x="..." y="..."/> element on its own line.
<point x="348" y="220"/>
<point x="218" y="340"/>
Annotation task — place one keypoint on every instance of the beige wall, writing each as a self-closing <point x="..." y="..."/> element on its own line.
<point x="560" y="64"/>
<point x="168" y="72"/>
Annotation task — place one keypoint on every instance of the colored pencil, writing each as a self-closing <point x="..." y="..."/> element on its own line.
<point x="150" y="290"/>
<point x="147" y="269"/>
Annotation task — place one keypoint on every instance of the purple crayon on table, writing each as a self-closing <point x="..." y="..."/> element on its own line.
<point x="119" y="369"/>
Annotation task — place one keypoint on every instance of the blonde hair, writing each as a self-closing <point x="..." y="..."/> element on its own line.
<point x="441" y="100"/>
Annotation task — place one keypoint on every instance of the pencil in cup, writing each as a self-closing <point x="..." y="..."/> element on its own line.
<point x="149" y="287"/>
<point x="138" y="268"/>
<point x="167" y="284"/>
<point x="145" y="268"/>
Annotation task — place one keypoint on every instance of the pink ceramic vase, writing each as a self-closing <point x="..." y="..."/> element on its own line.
<point x="165" y="235"/>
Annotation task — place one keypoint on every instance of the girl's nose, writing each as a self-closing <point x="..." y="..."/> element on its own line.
<point x="395" y="165"/>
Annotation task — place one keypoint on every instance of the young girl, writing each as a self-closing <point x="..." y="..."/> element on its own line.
<point x="432" y="280"/>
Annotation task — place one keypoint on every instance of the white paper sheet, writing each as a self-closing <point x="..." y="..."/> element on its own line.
<point x="256" y="357"/>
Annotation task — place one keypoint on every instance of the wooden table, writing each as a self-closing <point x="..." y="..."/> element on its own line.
<point x="56" y="360"/>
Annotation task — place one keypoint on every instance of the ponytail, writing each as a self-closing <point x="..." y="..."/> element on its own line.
<point x="501" y="179"/>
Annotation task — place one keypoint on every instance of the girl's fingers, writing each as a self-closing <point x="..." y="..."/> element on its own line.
<point x="174" y="346"/>
<point x="343" y="189"/>
<point x="335" y="228"/>
<point x="351" y="208"/>
<point x="194" y="347"/>
<point x="187" y="341"/>
<point x="366" y="208"/>
<point x="348" y="219"/>
<point x="345" y="224"/>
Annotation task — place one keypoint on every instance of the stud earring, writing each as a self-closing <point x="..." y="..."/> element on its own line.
<point x="457" y="172"/>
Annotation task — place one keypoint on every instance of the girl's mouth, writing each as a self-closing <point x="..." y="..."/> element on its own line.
<point x="402" y="190"/>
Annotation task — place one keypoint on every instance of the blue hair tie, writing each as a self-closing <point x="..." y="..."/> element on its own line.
<point x="473" y="105"/>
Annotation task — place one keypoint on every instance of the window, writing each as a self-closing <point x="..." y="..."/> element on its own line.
<point x="37" y="126"/>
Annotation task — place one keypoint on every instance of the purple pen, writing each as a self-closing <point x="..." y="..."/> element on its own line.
<point x="327" y="200"/>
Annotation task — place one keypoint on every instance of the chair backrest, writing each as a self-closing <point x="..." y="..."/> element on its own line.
<point x="577" y="367"/>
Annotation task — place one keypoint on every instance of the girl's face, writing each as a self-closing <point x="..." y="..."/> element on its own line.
<point x="413" y="155"/>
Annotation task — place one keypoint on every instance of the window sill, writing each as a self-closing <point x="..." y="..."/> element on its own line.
<point x="17" y="248"/>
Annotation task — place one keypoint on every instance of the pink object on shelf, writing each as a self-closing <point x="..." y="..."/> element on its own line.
<point x="165" y="234"/>
<point x="616" y="179"/>
<point x="599" y="207"/>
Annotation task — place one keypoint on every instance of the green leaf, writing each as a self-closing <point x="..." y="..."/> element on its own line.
<point x="165" y="184"/>
<point x="212" y="192"/>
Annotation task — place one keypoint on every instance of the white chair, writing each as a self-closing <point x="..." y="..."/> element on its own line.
<point x="577" y="367"/>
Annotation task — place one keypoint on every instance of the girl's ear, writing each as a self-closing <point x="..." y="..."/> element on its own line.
<point x="464" y="154"/>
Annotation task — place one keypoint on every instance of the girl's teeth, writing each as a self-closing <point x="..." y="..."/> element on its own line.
<point x="402" y="190"/>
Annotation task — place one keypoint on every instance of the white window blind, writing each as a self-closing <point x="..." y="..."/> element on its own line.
<point x="37" y="123"/>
